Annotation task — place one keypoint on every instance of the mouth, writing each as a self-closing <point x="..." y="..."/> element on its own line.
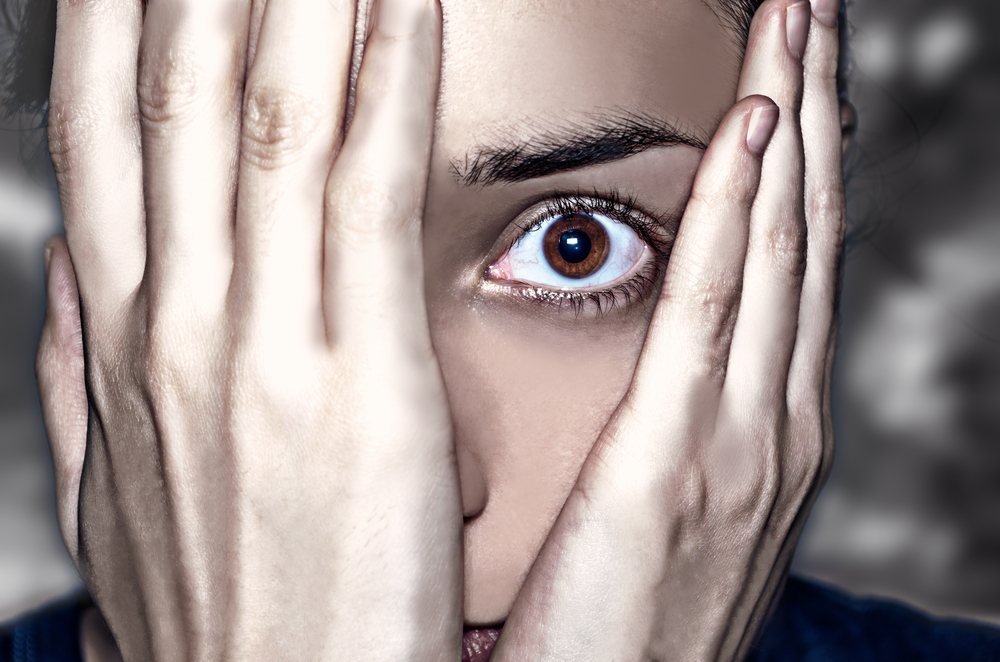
<point x="478" y="643"/>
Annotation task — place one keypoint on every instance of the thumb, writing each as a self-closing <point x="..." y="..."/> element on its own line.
<point x="61" y="387"/>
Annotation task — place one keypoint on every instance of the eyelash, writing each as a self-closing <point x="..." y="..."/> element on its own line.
<point x="622" y="209"/>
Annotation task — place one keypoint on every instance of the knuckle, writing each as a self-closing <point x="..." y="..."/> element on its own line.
<point x="277" y="124"/>
<point x="362" y="207"/>
<point x="162" y="364"/>
<point x="167" y="88"/>
<point x="178" y="350"/>
<point x="711" y="308"/>
<point x="691" y="492"/>
<point x="733" y="193"/>
<point x="826" y="208"/>
<point x="813" y="451"/>
<point x="756" y="486"/>
<point x="715" y="302"/>
<point x="786" y="244"/>
<point x="68" y="127"/>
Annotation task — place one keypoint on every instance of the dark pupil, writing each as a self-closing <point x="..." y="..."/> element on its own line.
<point x="574" y="246"/>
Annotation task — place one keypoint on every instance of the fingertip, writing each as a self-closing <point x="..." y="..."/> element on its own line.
<point x="52" y="244"/>
<point x="47" y="256"/>
<point x="402" y="18"/>
<point x="797" y="28"/>
<point x="826" y="12"/>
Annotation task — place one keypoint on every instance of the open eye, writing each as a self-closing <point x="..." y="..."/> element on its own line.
<point x="573" y="251"/>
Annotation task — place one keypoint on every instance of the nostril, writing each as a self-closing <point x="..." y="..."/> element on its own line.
<point x="473" y="482"/>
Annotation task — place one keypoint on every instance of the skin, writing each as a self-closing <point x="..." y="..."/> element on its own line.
<point x="282" y="420"/>
<point x="532" y="386"/>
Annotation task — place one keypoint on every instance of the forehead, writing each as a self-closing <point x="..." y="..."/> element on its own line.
<point x="511" y="61"/>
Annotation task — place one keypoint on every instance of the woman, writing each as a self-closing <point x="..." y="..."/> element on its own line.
<point x="374" y="367"/>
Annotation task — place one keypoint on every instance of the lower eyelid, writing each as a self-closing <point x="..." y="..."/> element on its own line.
<point x="628" y="293"/>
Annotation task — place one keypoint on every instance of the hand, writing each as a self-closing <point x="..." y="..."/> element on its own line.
<point x="263" y="466"/>
<point x="679" y="531"/>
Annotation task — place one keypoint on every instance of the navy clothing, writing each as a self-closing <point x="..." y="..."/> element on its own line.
<point x="49" y="635"/>
<point x="812" y="623"/>
<point x="816" y="623"/>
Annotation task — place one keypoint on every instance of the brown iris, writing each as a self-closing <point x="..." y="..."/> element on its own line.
<point x="576" y="245"/>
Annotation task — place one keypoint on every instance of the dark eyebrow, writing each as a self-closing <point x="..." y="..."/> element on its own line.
<point x="598" y="139"/>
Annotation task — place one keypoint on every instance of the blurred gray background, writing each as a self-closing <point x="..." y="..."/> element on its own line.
<point x="912" y="509"/>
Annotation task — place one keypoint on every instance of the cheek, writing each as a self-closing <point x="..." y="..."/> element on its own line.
<point x="528" y="402"/>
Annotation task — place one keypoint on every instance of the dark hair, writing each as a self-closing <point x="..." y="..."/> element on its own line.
<point x="27" y="73"/>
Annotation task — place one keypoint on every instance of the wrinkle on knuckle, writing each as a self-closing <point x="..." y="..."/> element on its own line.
<point x="68" y="128"/>
<point x="277" y="124"/>
<point x="168" y="88"/>
<point x="715" y="301"/>
<point x="730" y="197"/>
<point x="826" y="208"/>
<point x="711" y="308"/>
<point x="786" y="244"/>
<point x="364" y="208"/>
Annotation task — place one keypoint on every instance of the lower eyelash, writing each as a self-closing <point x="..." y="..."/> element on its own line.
<point x="621" y="296"/>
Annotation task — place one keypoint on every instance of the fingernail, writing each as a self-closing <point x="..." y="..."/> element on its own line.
<point x="763" y="119"/>
<point x="797" y="27"/>
<point x="47" y="257"/>
<point x="826" y="12"/>
<point x="400" y="18"/>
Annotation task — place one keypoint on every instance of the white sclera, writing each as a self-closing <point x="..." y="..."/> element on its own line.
<point x="525" y="261"/>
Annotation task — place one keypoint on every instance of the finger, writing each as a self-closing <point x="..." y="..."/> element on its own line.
<point x="190" y="85"/>
<point x="687" y="345"/>
<point x="825" y="214"/>
<point x="61" y="387"/>
<point x="574" y="601"/>
<point x="257" y="8"/>
<point x="375" y="195"/>
<point x="765" y="332"/>
<point x="293" y="111"/>
<point x="94" y="143"/>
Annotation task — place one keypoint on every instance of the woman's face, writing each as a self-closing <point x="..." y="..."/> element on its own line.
<point x="585" y="120"/>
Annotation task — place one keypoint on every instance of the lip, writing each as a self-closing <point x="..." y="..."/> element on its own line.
<point x="478" y="643"/>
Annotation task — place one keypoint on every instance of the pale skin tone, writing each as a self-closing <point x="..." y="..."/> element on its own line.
<point x="316" y="428"/>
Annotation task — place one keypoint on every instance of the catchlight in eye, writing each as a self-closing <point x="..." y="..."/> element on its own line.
<point x="576" y="245"/>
